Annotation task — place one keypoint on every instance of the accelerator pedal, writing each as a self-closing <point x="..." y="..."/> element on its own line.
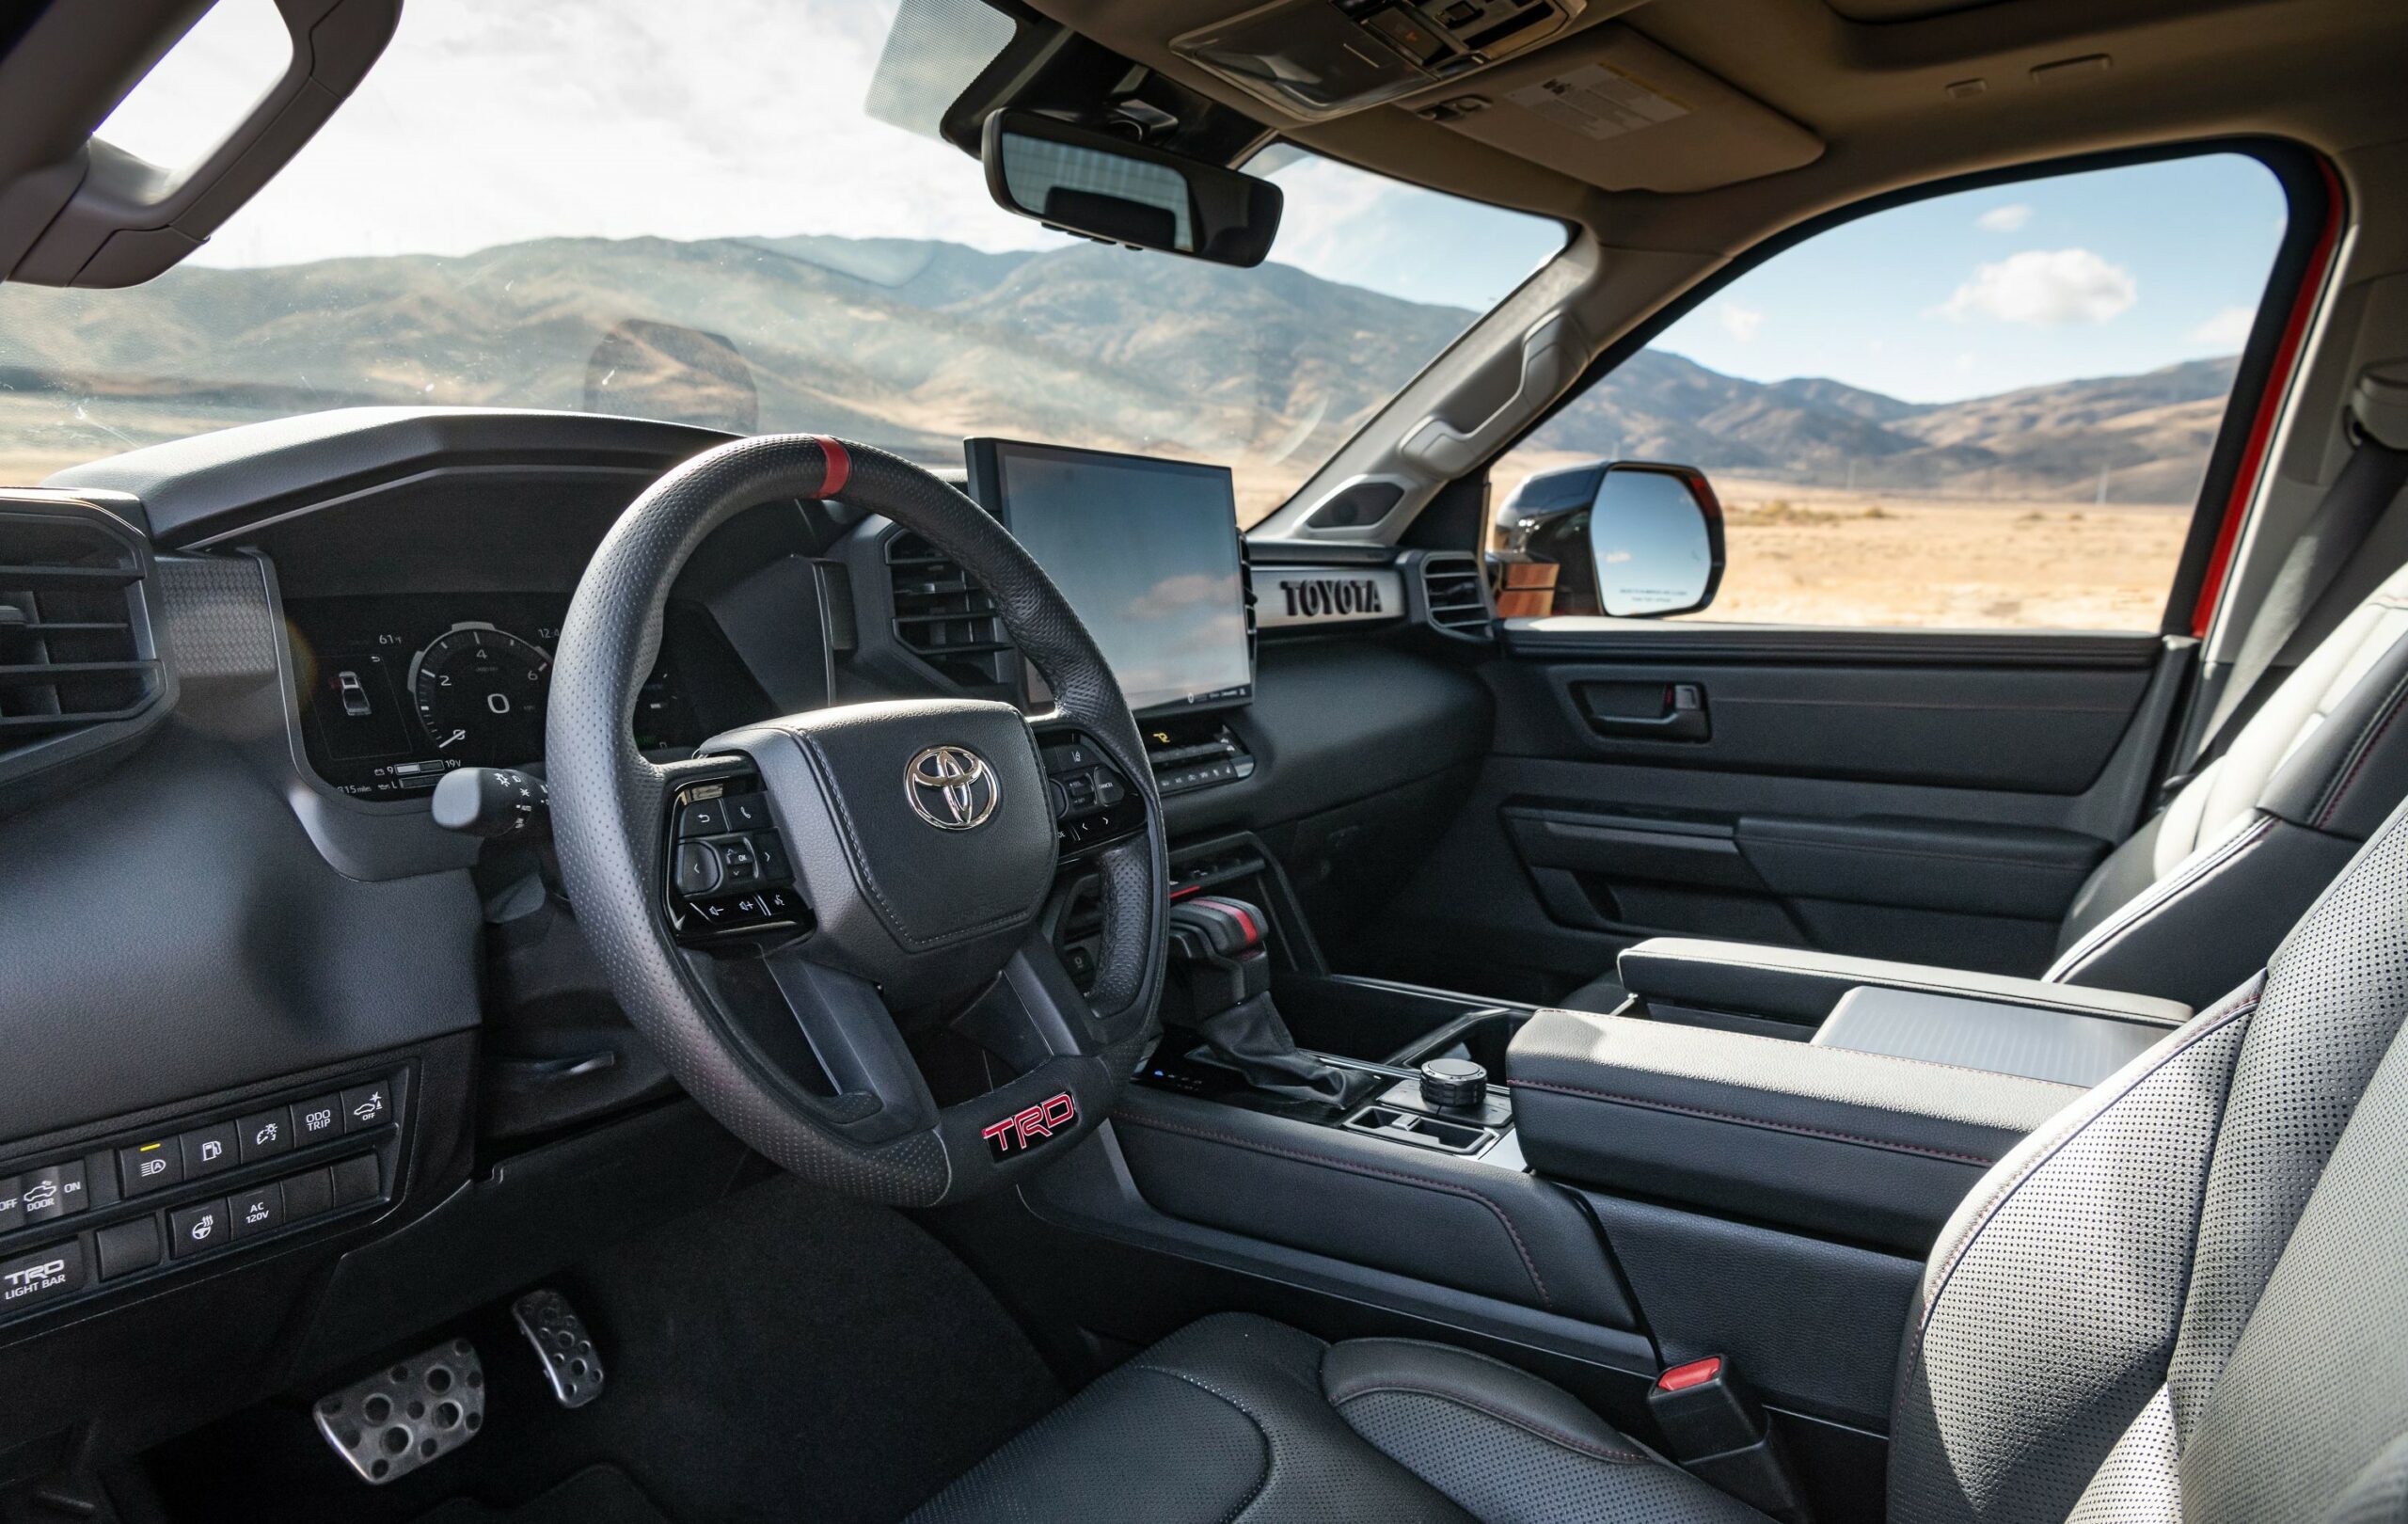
<point x="563" y="1346"/>
<point x="396" y="1420"/>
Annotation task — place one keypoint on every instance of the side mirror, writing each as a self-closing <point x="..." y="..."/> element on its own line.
<point x="1106" y="187"/>
<point x="1630" y="539"/>
<point x="1654" y="540"/>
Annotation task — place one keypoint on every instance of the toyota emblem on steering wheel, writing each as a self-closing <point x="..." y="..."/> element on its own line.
<point x="951" y="787"/>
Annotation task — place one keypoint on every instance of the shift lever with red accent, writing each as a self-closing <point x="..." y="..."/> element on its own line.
<point x="1216" y="946"/>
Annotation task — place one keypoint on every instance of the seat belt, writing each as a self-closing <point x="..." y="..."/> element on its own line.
<point x="2311" y="578"/>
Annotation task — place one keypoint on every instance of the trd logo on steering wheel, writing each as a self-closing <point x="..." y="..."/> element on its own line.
<point x="951" y="787"/>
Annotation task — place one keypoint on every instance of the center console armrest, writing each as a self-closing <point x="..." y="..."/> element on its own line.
<point x="1857" y="1146"/>
<point x="1795" y="984"/>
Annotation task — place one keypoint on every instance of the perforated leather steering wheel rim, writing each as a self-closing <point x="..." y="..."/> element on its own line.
<point x="607" y="802"/>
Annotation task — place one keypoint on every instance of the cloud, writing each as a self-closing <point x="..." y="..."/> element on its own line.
<point x="2008" y="219"/>
<point x="2045" y="288"/>
<point x="1740" y="323"/>
<point x="2227" y="330"/>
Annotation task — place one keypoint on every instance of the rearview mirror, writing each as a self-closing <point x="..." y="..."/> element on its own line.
<point x="1104" y="187"/>
<point x="1654" y="540"/>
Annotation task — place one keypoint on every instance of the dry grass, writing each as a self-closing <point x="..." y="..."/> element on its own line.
<point x="1808" y="555"/>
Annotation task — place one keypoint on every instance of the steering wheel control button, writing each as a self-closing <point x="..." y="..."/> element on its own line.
<point x="389" y="1423"/>
<point x="771" y="850"/>
<point x="746" y="811"/>
<point x="198" y="1228"/>
<point x="358" y="1180"/>
<point x="314" y="1122"/>
<point x="129" y="1246"/>
<point x="44" y="1276"/>
<point x="308" y="1194"/>
<point x="565" y="1351"/>
<point x="699" y="870"/>
<point x="704" y="817"/>
<point x="266" y="1134"/>
<point x="736" y="857"/>
<point x="256" y="1211"/>
<point x="209" y="1149"/>
<point x="1451" y="1083"/>
<point x="149" y="1167"/>
<point x="370" y="1105"/>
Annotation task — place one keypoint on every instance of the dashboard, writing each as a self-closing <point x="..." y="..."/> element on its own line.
<point x="336" y="610"/>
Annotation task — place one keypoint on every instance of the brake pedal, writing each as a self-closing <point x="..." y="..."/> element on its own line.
<point x="563" y="1346"/>
<point x="396" y="1420"/>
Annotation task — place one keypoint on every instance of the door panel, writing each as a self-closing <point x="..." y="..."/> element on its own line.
<point x="1941" y="804"/>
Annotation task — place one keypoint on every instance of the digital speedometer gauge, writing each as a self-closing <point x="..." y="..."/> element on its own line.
<point x="480" y="692"/>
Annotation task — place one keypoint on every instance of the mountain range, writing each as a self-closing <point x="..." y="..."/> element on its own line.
<point x="912" y="343"/>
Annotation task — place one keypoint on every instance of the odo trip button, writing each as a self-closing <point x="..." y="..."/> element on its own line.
<point x="42" y="1277"/>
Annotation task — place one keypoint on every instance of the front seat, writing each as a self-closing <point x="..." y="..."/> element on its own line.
<point x="2185" y="1297"/>
<point x="2192" y="902"/>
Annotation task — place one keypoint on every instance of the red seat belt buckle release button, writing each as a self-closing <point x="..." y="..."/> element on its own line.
<point x="1713" y="1426"/>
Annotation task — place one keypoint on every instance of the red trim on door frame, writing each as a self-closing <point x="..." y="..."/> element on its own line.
<point x="2261" y="427"/>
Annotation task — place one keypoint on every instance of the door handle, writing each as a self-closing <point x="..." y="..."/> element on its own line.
<point x="1682" y="717"/>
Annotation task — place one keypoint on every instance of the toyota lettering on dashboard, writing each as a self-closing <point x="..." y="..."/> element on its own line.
<point x="951" y="787"/>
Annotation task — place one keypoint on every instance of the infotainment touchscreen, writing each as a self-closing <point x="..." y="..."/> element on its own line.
<point x="1146" y="550"/>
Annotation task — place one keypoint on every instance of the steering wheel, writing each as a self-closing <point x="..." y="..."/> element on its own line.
<point x="923" y="844"/>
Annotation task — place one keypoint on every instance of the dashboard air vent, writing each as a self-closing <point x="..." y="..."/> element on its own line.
<point x="943" y="618"/>
<point x="75" y="649"/>
<point x="1455" y="594"/>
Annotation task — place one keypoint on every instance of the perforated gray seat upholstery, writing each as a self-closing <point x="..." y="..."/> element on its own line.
<point x="2185" y="1297"/>
<point x="2191" y="902"/>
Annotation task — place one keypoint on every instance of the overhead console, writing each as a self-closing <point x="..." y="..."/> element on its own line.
<point x="1322" y="59"/>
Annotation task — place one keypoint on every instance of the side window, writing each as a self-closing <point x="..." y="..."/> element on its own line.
<point x="1992" y="408"/>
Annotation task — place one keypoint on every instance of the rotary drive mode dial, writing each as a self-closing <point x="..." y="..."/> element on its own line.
<point x="480" y="692"/>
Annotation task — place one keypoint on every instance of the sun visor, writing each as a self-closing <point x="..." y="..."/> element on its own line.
<point x="1612" y="108"/>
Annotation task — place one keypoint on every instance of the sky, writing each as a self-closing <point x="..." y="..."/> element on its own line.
<point x="490" y="121"/>
<point x="2106" y="272"/>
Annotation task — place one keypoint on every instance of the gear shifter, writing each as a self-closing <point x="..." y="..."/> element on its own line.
<point x="1217" y="944"/>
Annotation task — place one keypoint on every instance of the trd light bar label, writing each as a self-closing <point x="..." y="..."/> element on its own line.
<point x="1019" y="1133"/>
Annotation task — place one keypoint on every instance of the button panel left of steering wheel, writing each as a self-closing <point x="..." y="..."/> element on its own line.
<point x="729" y="874"/>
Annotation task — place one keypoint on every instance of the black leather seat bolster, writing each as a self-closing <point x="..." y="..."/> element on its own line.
<point x="1795" y="984"/>
<point x="1224" y="1417"/>
<point x="2348" y="773"/>
<point x="1447" y="1221"/>
<point x="1236" y="1417"/>
<point x="1504" y="1444"/>
<point x="1857" y="1146"/>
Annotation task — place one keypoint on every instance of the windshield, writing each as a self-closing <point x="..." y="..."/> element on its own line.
<point x="737" y="213"/>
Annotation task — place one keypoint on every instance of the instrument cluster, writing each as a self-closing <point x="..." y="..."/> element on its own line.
<point x="396" y="692"/>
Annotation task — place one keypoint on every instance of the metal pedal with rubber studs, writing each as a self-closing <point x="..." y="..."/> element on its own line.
<point x="563" y="1346"/>
<point x="413" y="1411"/>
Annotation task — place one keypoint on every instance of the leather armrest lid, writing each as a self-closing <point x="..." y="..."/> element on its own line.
<point x="2061" y="1046"/>
<point x="1850" y="1145"/>
<point x="1798" y="984"/>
